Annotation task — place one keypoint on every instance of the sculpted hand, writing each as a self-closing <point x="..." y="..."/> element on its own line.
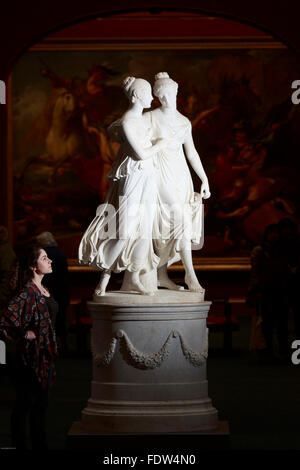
<point x="163" y="143"/>
<point x="205" y="192"/>
<point x="160" y="143"/>
<point x="30" y="335"/>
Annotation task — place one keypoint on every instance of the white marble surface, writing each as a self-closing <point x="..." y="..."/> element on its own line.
<point x="152" y="216"/>
<point x="149" y="365"/>
<point x="161" y="296"/>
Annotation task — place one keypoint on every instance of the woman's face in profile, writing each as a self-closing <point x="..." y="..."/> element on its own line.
<point x="146" y="95"/>
<point x="167" y="96"/>
<point x="44" y="263"/>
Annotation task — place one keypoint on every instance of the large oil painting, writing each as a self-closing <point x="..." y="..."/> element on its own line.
<point x="244" y="127"/>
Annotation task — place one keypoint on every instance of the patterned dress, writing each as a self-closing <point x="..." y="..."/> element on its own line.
<point x="28" y="311"/>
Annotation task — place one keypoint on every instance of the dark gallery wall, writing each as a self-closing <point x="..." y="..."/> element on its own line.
<point x="24" y="23"/>
<point x="169" y="25"/>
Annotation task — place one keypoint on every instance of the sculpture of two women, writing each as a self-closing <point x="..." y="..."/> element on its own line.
<point x="151" y="216"/>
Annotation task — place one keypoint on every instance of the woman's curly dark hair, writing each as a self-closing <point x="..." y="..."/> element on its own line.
<point x="27" y="260"/>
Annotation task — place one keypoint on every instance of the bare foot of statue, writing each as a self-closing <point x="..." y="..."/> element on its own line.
<point x="168" y="284"/>
<point x="101" y="287"/>
<point x="163" y="280"/>
<point x="136" y="285"/>
<point x="193" y="284"/>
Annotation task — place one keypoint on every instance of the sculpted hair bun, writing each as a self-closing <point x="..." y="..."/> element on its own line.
<point x="161" y="75"/>
<point x="127" y="82"/>
<point x="162" y="80"/>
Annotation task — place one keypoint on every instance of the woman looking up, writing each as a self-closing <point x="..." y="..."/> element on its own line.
<point x="29" y="321"/>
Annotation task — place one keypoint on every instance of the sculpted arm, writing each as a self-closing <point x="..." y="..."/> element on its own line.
<point x="140" y="152"/>
<point x="194" y="159"/>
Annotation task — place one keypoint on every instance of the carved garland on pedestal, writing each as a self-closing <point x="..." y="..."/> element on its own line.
<point x="145" y="361"/>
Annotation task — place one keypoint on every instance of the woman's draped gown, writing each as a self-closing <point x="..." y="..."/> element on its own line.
<point x="180" y="211"/>
<point x="120" y="236"/>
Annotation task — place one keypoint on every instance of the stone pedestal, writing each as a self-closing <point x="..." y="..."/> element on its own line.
<point x="149" y="364"/>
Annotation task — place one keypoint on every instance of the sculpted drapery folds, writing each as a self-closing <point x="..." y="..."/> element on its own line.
<point x="152" y="216"/>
